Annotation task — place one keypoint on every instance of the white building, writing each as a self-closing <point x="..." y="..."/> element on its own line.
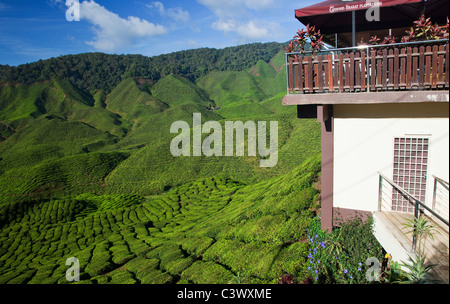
<point x="385" y="136"/>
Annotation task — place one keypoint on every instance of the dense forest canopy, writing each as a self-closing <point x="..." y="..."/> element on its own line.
<point x="94" y="71"/>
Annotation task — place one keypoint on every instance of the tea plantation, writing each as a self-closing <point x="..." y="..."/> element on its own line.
<point x="213" y="230"/>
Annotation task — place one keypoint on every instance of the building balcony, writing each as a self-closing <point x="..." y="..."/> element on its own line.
<point x="396" y="73"/>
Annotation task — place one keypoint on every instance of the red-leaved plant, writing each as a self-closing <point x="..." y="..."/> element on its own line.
<point x="287" y="279"/>
<point x="301" y="39"/>
<point x="423" y="29"/>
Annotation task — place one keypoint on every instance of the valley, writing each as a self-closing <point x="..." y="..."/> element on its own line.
<point x="86" y="171"/>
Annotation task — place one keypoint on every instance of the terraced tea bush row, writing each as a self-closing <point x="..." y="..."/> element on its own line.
<point x="209" y="231"/>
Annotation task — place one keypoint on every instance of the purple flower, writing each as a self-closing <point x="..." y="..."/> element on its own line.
<point x="345" y="271"/>
<point x="316" y="271"/>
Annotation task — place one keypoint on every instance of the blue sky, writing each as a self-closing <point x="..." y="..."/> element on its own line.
<point x="38" y="29"/>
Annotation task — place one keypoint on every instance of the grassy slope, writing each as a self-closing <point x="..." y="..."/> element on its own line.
<point x="50" y="139"/>
<point x="175" y="90"/>
<point x="208" y="231"/>
<point x="130" y="102"/>
<point x="229" y="86"/>
<point x="72" y="174"/>
<point x="151" y="169"/>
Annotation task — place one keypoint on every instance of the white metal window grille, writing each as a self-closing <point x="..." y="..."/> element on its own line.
<point x="410" y="171"/>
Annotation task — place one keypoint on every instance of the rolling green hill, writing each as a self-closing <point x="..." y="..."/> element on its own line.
<point x="174" y="91"/>
<point x="86" y="170"/>
<point x="130" y="102"/>
<point x="230" y="86"/>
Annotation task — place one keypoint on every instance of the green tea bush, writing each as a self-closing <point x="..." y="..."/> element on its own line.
<point x="176" y="267"/>
<point x="122" y="277"/>
<point x="237" y="233"/>
<point x="197" y="246"/>
<point x="206" y="273"/>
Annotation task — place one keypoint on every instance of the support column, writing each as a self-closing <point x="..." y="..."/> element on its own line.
<point x="325" y="117"/>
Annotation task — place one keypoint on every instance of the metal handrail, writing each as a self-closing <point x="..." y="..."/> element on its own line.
<point x="443" y="183"/>
<point x="417" y="204"/>
<point x="403" y="191"/>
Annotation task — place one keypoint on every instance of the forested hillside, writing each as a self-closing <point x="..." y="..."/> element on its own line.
<point x="95" y="71"/>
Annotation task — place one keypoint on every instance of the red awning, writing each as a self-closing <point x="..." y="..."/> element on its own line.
<point x="342" y="6"/>
<point x="335" y="16"/>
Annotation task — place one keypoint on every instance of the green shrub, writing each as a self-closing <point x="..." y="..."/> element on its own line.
<point x="340" y="257"/>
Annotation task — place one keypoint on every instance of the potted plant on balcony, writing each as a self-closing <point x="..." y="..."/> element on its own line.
<point x="300" y="42"/>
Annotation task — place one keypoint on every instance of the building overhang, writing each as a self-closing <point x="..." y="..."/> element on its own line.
<point x="367" y="98"/>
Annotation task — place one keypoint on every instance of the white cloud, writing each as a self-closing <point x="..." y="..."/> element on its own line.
<point x="113" y="32"/>
<point x="176" y="13"/>
<point x="248" y="31"/>
<point x="230" y="8"/>
<point x="236" y="16"/>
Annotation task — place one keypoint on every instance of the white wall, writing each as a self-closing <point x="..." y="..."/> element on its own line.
<point x="363" y="146"/>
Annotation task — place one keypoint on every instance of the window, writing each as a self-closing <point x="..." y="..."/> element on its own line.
<point x="410" y="171"/>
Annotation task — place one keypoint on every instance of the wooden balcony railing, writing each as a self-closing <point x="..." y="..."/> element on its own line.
<point x="403" y="66"/>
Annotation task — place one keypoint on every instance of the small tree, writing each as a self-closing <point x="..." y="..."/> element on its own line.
<point x="418" y="270"/>
<point x="421" y="229"/>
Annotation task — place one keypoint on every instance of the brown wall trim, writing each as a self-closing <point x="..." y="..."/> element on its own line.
<point x="367" y="97"/>
<point x="393" y="110"/>
<point x="341" y="215"/>
<point x="325" y="116"/>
